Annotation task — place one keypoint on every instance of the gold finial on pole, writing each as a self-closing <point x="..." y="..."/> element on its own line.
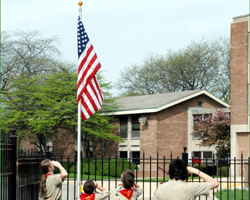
<point x="80" y="3"/>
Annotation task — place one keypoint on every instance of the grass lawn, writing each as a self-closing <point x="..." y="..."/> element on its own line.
<point x="223" y="195"/>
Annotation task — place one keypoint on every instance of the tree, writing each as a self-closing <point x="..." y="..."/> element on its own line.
<point x="27" y="53"/>
<point x="200" y="65"/>
<point x="215" y="131"/>
<point x="42" y="105"/>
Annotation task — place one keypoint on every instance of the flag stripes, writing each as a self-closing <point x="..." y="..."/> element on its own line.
<point x="89" y="93"/>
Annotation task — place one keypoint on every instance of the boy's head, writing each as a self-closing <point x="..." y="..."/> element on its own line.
<point x="89" y="187"/>
<point x="128" y="181"/>
<point x="129" y="172"/>
<point x="178" y="170"/>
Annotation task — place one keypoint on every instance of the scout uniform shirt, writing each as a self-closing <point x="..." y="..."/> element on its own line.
<point x="127" y="194"/>
<point x="53" y="187"/>
<point x="176" y="190"/>
<point x="95" y="196"/>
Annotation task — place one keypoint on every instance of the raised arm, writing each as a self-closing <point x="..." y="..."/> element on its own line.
<point x="205" y="177"/>
<point x="99" y="187"/>
<point x="105" y="193"/>
<point x="63" y="172"/>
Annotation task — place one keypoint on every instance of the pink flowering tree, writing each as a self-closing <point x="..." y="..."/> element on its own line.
<point x="214" y="130"/>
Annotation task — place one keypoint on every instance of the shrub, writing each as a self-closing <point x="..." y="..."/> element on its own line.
<point x="209" y="169"/>
<point x="223" y="171"/>
<point x="65" y="165"/>
<point x="104" y="167"/>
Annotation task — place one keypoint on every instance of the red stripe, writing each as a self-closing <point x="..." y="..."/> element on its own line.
<point x="92" y="102"/>
<point x="87" y="68"/>
<point x="83" y="116"/>
<point x="98" y="88"/>
<point x="98" y="66"/>
<point x="90" y="64"/>
<point x="84" y="104"/>
<point x="94" y="90"/>
<point x="85" y="58"/>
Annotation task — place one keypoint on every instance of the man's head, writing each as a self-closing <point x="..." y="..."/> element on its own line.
<point x="178" y="170"/>
<point x="128" y="181"/>
<point x="89" y="187"/>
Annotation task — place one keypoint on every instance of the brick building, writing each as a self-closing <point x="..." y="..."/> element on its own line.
<point x="240" y="87"/>
<point x="163" y="123"/>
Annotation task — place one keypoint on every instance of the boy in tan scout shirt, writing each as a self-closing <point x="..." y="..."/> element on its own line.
<point x="89" y="194"/>
<point x="128" y="190"/>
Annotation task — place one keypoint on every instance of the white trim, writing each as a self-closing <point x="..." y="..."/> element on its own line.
<point x="154" y="110"/>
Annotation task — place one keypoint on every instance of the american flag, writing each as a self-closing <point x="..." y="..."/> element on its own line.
<point x="89" y="93"/>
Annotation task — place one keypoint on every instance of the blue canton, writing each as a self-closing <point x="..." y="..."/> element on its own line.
<point x="82" y="37"/>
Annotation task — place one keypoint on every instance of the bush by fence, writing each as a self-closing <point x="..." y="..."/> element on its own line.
<point x="103" y="167"/>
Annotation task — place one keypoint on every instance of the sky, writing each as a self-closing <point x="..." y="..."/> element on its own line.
<point x="123" y="32"/>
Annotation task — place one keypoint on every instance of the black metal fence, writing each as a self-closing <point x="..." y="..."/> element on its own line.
<point x="20" y="173"/>
<point x="232" y="174"/>
<point x="21" y="176"/>
<point x="8" y="173"/>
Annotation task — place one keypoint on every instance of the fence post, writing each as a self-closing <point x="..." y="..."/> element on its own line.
<point x="185" y="155"/>
<point x="13" y="165"/>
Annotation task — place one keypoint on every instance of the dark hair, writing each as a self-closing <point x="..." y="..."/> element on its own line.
<point x="129" y="172"/>
<point x="45" y="169"/>
<point x="178" y="170"/>
<point x="89" y="187"/>
<point x="128" y="181"/>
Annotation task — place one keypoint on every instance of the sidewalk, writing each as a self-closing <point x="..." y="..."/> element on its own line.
<point x="149" y="188"/>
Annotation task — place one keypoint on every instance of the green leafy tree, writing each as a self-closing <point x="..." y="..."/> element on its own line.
<point x="38" y="91"/>
<point x="199" y="65"/>
<point x="42" y="105"/>
<point x="215" y="131"/>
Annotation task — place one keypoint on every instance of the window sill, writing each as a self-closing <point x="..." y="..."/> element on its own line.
<point x="137" y="138"/>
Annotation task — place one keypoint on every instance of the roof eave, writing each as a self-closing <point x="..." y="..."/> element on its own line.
<point x="154" y="110"/>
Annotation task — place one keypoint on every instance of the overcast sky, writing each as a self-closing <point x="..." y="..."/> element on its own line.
<point x="123" y="31"/>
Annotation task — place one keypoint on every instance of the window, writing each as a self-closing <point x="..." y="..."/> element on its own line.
<point x="136" y="157"/>
<point x="197" y="154"/>
<point x="135" y="126"/>
<point x="207" y="115"/>
<point x="123" y="154"/>
<point x="207" y="154"/>
<point x="124" y="126"/>
<point x="199" y="103"/>
<point x="197" y="118"/>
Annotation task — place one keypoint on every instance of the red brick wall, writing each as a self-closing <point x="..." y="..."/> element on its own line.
<point x="239" y="68"/>
<point x="63" y="145"/>
<point x="148" y="136"/>
<point x="172" y="126"/>
<point x="166" y="131"/>
<point x="25" y="144"/>
<point x="110" y="147"/>
<point x="243" y="145"/>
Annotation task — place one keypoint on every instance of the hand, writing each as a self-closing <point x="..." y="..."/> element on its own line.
<point x="55" y="163"/>
<point x="96" y="184"/>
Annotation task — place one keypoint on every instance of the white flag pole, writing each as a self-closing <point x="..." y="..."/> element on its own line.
<point x="79" y="131"/>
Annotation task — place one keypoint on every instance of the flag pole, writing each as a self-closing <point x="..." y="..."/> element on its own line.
<point x="79" y="130"/>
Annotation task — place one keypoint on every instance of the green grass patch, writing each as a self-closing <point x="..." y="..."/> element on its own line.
<point x="91" y="177"/>
<point x="225" y="194"/>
